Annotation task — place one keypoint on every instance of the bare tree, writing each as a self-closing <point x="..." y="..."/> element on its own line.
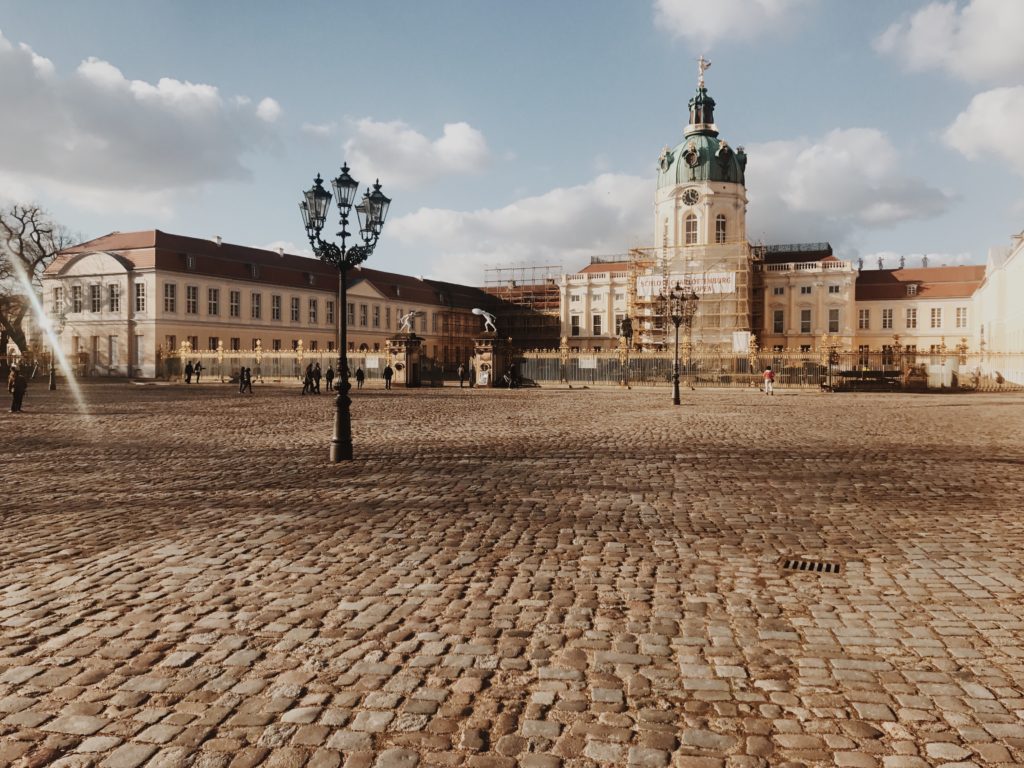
<point x="29" y="241"/>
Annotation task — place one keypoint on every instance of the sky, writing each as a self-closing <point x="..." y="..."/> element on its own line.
<point x="517" y="134"/>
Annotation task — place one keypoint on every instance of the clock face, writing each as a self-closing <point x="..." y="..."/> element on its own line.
<point x="691" y="196"/>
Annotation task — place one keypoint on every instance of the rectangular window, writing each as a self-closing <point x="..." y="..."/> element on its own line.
<point x="193" y="342"/>
<point x="435" y="318"/>
<point x="911" y="317"/>
<point x="387" y="318"/>
<point x="58" y="299"/>
<point x="596" y="324"/>
<point x="691" y="230"/>
<point x="170" y="343"/>
<point x="363" y="314"/>
<point x="961" y="317"/>
<point x="170" y="297"/>
<point x="352" y="314"/>
<point x="912" y="289"/>
<point x="864" y="319"/>
<point x="778" y="290"/>
<point x="296" y="309"/>
<point x="936" y="317"/>
<point x="76" y="298"/>
<point x="575" y="320"/>
<point x="115" y="298"/>
<point x="312" y="311"/>
<point x="618" y="324"/>
<point x="575" y="298"/>
<point x="95" y="298"/>
<point x="833" y="321"/>
<point x="805" y="321"/>
<point x="275" y="345"/>
<point x="376" y="317"/>
<point x="778" y="326"/>
<point x="423" y="322"/>
<point x="236" y="344"/>
<point x="313" y="345"/>
<point x="805" y="347"/>
<point x="213" y="301"/>
<point x="213" y="342"/>
<point x="140" y="297"/>
<point x="886" y="319"/>
<point x="191" y="300"/>
<point x="330" y="313"/>
<point x="275" y="307"/>
<point x="720" y="229"/>
<point x="256" y="298"/>
<point x="235" y="304"/>
<point x="620" y="296"/>
<point x="833" y="289"/>
<point x="330" y="346"/>
<point x="805" y="289"/>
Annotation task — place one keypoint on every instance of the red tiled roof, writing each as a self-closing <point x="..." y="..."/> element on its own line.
<point x="153" y="248"/>
<point x="606" y="266"/>
<point x="932" y="283"/>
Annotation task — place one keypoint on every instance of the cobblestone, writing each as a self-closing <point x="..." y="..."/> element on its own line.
<point x="533" y="578"/>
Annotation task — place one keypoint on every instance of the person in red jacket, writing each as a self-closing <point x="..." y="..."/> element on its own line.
<point x="769" y="381"/>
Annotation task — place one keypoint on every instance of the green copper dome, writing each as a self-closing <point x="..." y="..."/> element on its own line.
<point x="701" y="156"/>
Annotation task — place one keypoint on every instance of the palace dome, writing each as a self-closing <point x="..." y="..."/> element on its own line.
<point x="701" y="155"/>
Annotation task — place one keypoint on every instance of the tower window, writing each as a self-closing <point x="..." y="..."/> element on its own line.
<point x="691" y="230"/>
<point x="720" y="228"/>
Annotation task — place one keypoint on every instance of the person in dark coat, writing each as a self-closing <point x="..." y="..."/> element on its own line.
<point x="241" y="381"/>
<point x="317" y="375"/>
<point x="330" y="378"/>
<point x="462" y="375"/>
<point x="188" y="372"/>
<point x="388" y="373"/>
<point x="307" y="380"/>
<point x="197" y="369"/>
<point x="360" y="378"/>
<point x="247" y="385"/>
<point x="17" y="386"/>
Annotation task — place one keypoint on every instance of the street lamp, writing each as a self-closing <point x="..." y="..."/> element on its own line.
<point x="626" y="331"/>
<point x="371" y="210"/>
<point x="680" y="307"/>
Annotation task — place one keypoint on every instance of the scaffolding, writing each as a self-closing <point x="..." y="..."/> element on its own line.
<point x="720" y="275"/>
<point x="532" y="287"/>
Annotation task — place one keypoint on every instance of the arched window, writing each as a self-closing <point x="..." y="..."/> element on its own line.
<point x="364" y="347"/>
<point x="720" y="228"/>
<point x="691" y="229"/>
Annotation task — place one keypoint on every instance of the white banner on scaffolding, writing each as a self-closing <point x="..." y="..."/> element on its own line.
<point x="702" y="283"/>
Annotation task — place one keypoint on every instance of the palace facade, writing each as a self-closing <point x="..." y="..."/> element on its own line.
<point x="777" y="296"/>
<point x="121" y="300"/>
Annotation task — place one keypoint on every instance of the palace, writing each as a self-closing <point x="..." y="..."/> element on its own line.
<point x="775" y="296"/>
<point x="124" y="298"/>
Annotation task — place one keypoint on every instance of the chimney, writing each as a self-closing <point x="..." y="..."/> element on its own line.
<point x="217" y="239"/>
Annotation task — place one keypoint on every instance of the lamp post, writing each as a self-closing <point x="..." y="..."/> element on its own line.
<point x="626" y="330"/>
<point x="680" y="308"/>
<point x="371" y="211"/>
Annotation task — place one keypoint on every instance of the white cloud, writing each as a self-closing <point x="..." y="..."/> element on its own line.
<point x="268" y="110"/>
<point x="564" y="226"/>
<point x="289" y="247"/>
<point x="981" y="41"/>
<point x="991" y="126"/>
<point x="403" y="157"/>
<point x="704" y="23"/>
<point x="319" y="130"/>
<point x="804" y="190"/>
<point x="104" y="142"/>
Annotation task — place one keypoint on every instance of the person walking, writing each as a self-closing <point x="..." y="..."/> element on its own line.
<point x="316" y="378"/>
<point x="462" y="375"/>
<point x="388" y="373"/>
<point x="360" y="377"/>
<point x="247" y="386"/>
<point x="17" y="386"/>
<point x="769" y="381"/>
<point x="241" y="381"/>
<point x="197" y="369"/>
<point x="188" y="372"/>
<point x="472" y="375"/>
<point x="330" y="378"/>
<point x="307" y="380"/>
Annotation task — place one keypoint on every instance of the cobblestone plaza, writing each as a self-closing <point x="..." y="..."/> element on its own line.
<point x="511" y="578"/>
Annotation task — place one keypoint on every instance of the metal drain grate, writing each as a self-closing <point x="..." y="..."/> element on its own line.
<point x="815" y="566"/>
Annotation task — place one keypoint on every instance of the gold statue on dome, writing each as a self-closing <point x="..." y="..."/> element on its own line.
<point x="702" y="65"/>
